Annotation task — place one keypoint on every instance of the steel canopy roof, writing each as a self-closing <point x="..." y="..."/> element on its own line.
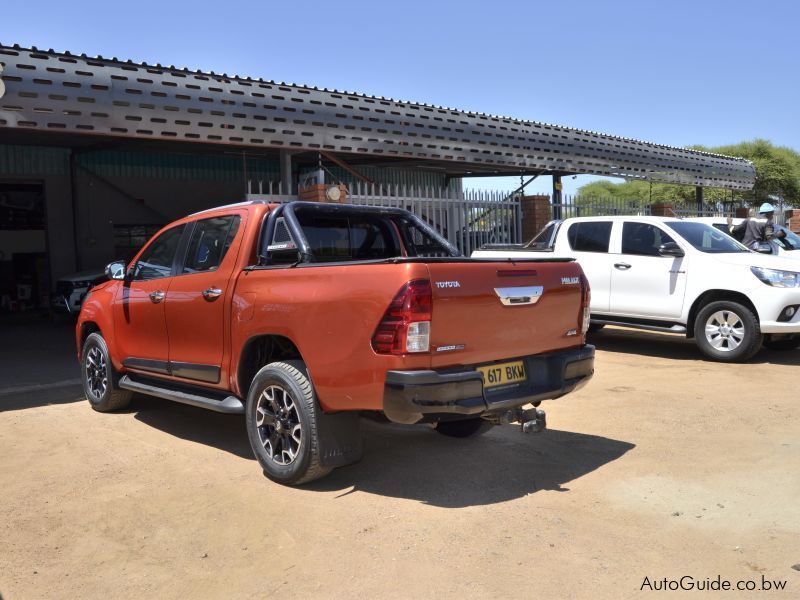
<point x="76" y="100"/>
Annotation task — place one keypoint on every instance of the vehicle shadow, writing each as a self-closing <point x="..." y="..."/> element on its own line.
<point x="503" y="464"/>
<point x="415" y="462"/>
<point x="665" y="345"/>
<point x="41" y="397"/>
<point x="226" y="432"/>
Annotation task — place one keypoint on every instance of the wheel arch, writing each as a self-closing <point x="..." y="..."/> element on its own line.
<point x="715" y="296"/>
<point x="87" y="329"/>
<point x="260" y="350"/>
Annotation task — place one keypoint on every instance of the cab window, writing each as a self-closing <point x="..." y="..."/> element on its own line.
<point x="589" y="236"/>
<point x="210" y="242"/>
<point x="642" y="239"/>
<point x="157" y="258"/>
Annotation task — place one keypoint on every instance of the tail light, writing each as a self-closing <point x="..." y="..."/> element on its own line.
<point x="406" y="325"/>
<point x="586" y="300"/>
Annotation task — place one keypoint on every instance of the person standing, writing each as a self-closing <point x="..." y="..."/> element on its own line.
<point x="757" y="231"/>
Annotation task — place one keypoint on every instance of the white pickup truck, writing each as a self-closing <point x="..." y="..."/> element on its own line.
<point x="677" y="276"/>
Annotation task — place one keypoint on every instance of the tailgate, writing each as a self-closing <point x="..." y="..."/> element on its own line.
<point x="471" y="324"/>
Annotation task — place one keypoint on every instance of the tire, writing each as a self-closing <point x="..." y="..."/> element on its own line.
<point x="596" y="327"/>
<point x="727" y="331"/>
<point x="100" y="379"/>
<point x="282" y="418"/>
<point x="786" y="343"/>
<point x="464" y="428"/>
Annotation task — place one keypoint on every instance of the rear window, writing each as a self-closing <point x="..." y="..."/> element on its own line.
<point x="334" y="238"/>
<point x="340" y="234"/>
<point x="589" y="236"/>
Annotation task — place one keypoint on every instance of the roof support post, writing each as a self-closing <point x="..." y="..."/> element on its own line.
<point x="557" y="195"/>
<point x="698" y="197"/>
<point x="287" y="181"/>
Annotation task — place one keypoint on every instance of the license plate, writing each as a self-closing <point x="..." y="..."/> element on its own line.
<point x="503" y="373"/>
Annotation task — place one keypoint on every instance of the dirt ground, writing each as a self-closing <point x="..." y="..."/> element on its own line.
<point x="663" y="466"/>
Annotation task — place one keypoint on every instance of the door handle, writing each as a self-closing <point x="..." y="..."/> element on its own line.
<point x="157" y="296"/>
<point x="622" y="266"/>
<point x="212" y="294"/>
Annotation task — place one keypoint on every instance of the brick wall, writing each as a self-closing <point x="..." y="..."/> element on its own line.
<point x="317" y="193"/>
<point x="793" y="220"/>
<point x="536" y="212"/>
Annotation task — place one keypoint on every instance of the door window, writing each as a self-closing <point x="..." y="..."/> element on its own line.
<point x="157" y="258"/>
<point x="642" y="239"/>
<point x="589" y="236"/>
<point x="210" y="241"/>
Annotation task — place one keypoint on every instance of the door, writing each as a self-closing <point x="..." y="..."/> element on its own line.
<point x="140" y="325"/>
<point x="644" y="283"/>
<point x="195" y="311"/>
<point x="589" y="242"/>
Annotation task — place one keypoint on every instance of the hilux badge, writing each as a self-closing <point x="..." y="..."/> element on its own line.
<point x="570" y="280"/>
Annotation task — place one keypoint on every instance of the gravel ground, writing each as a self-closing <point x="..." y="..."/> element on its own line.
<point x="663" y="466"/>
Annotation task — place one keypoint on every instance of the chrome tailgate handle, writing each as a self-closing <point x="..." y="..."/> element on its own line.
<point x="515" y="296"/>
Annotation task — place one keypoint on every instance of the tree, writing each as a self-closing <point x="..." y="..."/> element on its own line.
<point x="777" y="175"/>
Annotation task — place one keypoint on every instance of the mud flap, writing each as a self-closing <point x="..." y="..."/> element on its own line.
<point x="339" y="438"/>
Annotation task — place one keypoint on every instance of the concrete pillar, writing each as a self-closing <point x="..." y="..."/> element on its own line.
<point x="536" y="213"/>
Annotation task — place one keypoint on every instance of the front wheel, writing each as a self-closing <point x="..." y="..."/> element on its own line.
<point x="282" y="423"/>
<point x="99" y="377"/>
<point x="782" y="343"/>
<point x="727" y="331"/>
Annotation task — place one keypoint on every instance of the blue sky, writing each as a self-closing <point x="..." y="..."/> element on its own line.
<point x="677" y="72"/>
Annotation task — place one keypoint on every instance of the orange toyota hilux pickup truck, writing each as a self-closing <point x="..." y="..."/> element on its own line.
<point x="306" y="316"/>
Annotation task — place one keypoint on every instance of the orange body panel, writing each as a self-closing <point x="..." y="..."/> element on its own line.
<point x="330" y="313"/>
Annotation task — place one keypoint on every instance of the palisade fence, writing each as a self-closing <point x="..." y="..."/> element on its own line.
<point x="588" y="206"/>
<point x="467" y="219"/>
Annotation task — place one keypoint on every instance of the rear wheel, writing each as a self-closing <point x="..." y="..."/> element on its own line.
<point x="596" y="327"/>
<point x="282" y="423"/>
<point x="727" y="331"/>
<point x="463" y="428"/>
<point x="790" y="342"/>
<point x="99" y="377"/>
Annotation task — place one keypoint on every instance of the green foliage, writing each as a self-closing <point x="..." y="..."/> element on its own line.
<point x="777" y="174"/>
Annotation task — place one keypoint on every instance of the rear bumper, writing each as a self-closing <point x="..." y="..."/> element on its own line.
<point x="418" y="396"/>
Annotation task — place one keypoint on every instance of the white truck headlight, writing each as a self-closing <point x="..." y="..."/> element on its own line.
<point x="775" y="278"/>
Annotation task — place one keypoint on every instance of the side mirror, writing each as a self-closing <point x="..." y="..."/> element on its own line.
<point x="764" y="248"/>
<point x="115" y="270"/>
<point x="671" y="249"/>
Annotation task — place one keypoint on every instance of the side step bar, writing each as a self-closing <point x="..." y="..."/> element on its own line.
<point x="222" y="404"/>
<point x="662" y="328"/>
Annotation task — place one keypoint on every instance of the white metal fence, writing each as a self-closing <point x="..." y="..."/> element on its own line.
<point x="466" y="219"/>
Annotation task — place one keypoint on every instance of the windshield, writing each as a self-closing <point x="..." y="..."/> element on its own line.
<point x="791" y="241"/>
<point x="543" y="238"/>
<point x="706" y="238"/>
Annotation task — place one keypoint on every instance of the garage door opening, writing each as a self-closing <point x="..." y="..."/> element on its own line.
<point x="24" y="270"/>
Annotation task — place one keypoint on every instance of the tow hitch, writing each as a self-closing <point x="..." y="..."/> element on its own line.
<point x="532" y="420"/>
